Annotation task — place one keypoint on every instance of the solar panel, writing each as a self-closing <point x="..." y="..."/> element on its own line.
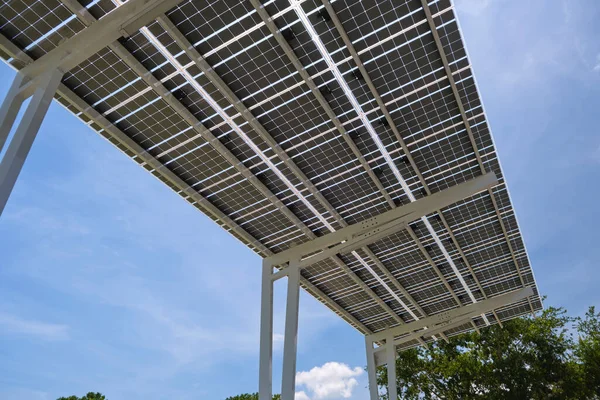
<point x="287" y="121"/>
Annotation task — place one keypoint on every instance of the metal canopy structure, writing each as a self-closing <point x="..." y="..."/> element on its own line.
<point x="343" y="141"/>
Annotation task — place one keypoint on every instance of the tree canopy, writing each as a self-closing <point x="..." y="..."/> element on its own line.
<point x="250" y="396"/>
<point x="551" y="356"/>
<point x="89" y="396"/>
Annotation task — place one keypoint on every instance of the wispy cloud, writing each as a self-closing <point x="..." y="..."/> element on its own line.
<point x="15" y="325"/>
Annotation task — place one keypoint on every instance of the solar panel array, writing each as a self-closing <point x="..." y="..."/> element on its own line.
<point x="280" y="146"/>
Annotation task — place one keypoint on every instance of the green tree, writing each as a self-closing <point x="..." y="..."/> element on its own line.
<point x="250" y="396"/>
<point x="530" y="358"/>
<point x="89" y="396"/>
<point x="587" y="351"/>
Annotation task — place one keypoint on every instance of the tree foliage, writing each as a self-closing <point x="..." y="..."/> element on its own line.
<point x="552" y="356"/>
<point x="251" y="396"/>
<point x="89" y="396"/>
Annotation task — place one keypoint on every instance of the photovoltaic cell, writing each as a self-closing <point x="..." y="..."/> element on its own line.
<point x="213" y="148"/>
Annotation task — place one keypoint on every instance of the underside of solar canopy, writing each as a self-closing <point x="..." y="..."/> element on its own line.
<point x="284" y="121"/>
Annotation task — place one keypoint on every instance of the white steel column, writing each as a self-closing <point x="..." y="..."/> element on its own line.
<point x="265" y="379"/>
<point x="390" y="349"/>
<point x="288" y="383"/>
<point x="10" y="108"/>
<point x="19" y="147"/>
<point x="371" y="370"/>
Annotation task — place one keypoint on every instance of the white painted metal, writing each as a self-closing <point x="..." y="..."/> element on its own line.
<point x="371" y="370"/>
<point x="290" y="341"/>
<point x="439" y="323"/>
<point x="372" y="229"/>
<point x="265" y="379"/>
<point x="18" y="149"/>
<point x="290" y="344"/>
<point x="122" y="21"/>
<point x="10" y="108"/>
<point x="451" y="315"/>
<point x="381" y="357"/>
<point x="390" y="349"/>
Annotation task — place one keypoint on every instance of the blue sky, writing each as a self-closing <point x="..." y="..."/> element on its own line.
<point x="110" y="282"/>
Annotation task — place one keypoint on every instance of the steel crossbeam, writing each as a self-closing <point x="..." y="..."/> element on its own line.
<point x="380" y="226"/>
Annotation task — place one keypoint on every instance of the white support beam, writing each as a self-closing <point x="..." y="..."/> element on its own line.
<point x="447" y="323"/>
<point x="390" y="350"/>
<point x="122" y="21"/>
<point x="290" y="341"/>
<point x="447" y="317"/>
<point x="369" y="230"/>
<point x="371" y="370"/>
<point x="380" y="357"/>
<point x="265" y="379"/>
<point x="424" y="328"/>
<point x="10" y="108"/>
<point x="26" y="132"/>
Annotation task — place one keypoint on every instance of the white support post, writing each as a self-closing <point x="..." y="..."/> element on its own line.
<point x="390" y="349"/>
<point x="10" y="108"/>
<point x="19" y="147"/>
<point x="290" y="344"/>
<point x="371" y="370"/>
<point x="265" y="380"/>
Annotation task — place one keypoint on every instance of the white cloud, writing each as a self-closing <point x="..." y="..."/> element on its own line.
<point x="333" y="380"/>
<point x="597" y="66"/>
<point x="301" y="396"/>
<point x="13" y="324"/>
